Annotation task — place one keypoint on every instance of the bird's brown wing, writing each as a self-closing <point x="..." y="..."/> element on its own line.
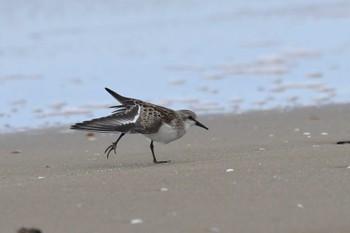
<point x="153" y="116"/>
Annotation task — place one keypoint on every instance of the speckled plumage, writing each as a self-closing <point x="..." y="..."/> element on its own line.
<point x="156" y="122"/>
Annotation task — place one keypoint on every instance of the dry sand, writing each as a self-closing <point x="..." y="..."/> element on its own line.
<point x="269" y="171"/>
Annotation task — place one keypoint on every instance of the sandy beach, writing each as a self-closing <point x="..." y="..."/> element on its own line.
<point x="267" y="171"/>
<point x="254" y="171"/>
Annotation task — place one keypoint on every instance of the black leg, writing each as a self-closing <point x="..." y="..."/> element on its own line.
<point x="154" y="157"/>
<point x="113" y="146"/>
<point x="343" y="142"/>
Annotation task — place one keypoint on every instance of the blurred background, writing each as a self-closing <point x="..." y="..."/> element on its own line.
<point x="221" y="56"/>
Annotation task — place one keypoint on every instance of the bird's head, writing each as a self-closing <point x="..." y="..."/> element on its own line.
<point x="190" y="119"/>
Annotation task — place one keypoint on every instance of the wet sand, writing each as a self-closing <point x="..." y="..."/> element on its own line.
<point x="267" y="171"/>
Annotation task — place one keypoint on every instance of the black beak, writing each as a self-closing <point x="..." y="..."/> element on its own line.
<point x="201" y="125"/>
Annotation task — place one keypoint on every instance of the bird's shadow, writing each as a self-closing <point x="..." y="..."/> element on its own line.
<point x="110" y="166"/>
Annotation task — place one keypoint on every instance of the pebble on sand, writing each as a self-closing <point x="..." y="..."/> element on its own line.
<point x="16" y="151"/>
<point x="26" y="230"/>
<point x="136" y="221"/>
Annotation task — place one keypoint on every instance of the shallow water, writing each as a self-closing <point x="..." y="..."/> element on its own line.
<point x="56" y="57"/>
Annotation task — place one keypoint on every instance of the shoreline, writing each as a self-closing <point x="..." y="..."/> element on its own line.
<point x="286" y="109"/>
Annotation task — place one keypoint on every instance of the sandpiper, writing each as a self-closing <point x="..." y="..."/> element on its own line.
<point x="133" y="116"/>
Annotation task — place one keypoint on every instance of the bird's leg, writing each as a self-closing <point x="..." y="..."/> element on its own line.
<point x="343" y="142"/>
<point x="113" y="146"/>
<point x="154" y="157"/>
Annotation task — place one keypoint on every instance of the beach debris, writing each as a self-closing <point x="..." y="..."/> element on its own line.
<point x="343" y="142"/>
<point x="300" y="206"/>
<point x="136" y="221"/>
<point x="314" y="118"/>
<point x="89" y="134"/>
<point x="26" y="230"/>
<point x="16" y="151"/>
<point x="315" y="146"/>
<point x="324" y="134"/>
<point x="92" y="139"/>
<point x="307" y="133"/>
<point x="229" y="170"/>
<point x="296" y="130"/>
<point x="348" y="166"/>
<point x="262" y="149"/>
<point x="41" y="177"/>
<point x="271" y="135"/>
<point x="164" y="189"/>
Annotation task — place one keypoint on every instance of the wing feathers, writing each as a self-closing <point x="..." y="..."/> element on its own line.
<point x="123" y="120"/>
<point x="118" y="97"/>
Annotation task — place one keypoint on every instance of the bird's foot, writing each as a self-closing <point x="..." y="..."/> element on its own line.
<point x="162" y="161"/>
<point x="111" y="148"/>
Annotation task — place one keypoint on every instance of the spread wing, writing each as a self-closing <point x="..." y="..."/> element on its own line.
<point x="132" y="116"/>
<point x="124" y="119"/>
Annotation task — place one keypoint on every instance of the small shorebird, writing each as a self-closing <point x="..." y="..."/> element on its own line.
<point x="133" y="116"/>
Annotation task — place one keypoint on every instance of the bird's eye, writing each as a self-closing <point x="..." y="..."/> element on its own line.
<point x="190" y="117"/>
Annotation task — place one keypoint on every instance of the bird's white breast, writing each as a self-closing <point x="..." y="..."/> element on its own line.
<point x="166" y="134"/>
